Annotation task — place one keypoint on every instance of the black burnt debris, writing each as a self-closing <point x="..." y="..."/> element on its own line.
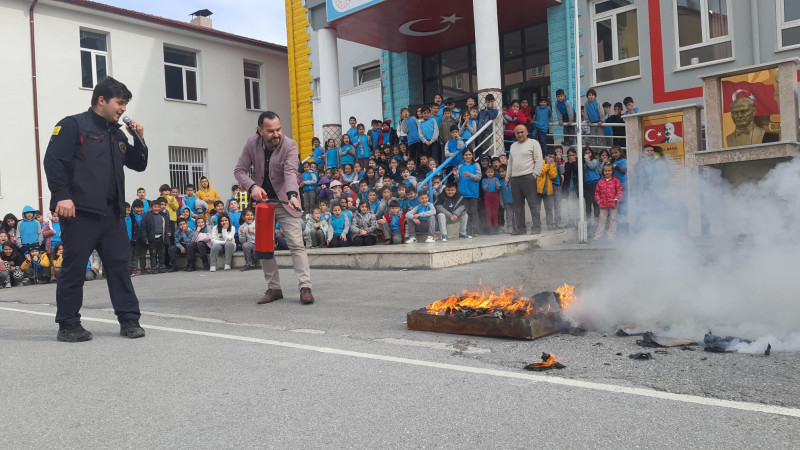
<point x="718" y="344"/>
<point x="641" y="356"/>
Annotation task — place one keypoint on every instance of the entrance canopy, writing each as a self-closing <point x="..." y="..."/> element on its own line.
<point x="426" y="26"/>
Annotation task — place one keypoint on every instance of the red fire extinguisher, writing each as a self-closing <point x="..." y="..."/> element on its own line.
<point x="265" y="230"/>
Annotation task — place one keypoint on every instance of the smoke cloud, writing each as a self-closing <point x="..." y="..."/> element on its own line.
<point x="741" y="279"/>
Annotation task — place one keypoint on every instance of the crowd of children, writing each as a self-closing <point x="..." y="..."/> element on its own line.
<point x="373" y="186"/>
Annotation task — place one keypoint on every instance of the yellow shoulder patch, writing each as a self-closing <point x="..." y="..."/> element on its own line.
<point x="56" y="130"/>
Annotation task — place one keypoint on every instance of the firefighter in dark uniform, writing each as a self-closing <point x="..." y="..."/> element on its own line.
<point x="84" y="167"/>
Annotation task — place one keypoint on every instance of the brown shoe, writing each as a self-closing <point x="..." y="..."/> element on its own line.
<point x="270" y="296"/>
<point x="516" y="232"/>
<point x="305" y="296"/>
<point x="536" y="231"/>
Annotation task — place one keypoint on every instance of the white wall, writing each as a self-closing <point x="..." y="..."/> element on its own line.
<point x="219" y="122"/>
<point x="363" y="102"/>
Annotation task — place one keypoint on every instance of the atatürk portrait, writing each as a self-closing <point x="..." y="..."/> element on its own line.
<point x="743" y="113"/>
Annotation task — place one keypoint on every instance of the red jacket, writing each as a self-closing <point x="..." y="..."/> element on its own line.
<point x="608" y="190"/>
<point x="516" y="119"/>
<point x="388" y="218"/>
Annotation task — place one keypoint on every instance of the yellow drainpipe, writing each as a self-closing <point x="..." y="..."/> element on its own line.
<point x="299" y="75"/>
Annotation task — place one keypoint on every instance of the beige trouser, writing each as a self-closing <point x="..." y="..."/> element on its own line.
<point x="294" y="238"/>
<point x="607" y="215"/>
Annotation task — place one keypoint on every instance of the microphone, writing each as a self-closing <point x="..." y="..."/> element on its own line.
<point x="127" y="121"/>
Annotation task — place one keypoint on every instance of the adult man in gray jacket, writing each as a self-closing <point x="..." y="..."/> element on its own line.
<point x="274" y="159"/>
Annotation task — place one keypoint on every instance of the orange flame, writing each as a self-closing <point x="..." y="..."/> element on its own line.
<point x="507" y="300"/>
<point x="547" y="363"/>
<point x="566" y="295"/>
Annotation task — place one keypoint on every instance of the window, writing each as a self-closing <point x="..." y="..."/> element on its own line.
<point x="186" y="165"/>
<point x="252" y="85"/>
<point x="616" y="37"/>
<point x="180" y="74"/>
<point x="369" y="73"/>
<point x="703" y="32"/>
<point x="789" y="21"/>
<point x="94" y="58"/>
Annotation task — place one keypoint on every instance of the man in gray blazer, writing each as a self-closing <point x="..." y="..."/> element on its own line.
<point x="274" y="159"/>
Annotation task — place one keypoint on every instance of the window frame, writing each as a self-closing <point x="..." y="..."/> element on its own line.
<point x="94" y="53"/>
<point x="705" y="33"/>
<point x="184" y="69"/>
<point x="612" y="14"/>
<point x="189" y="168"/>
<point x="255" y="94"/>
<point x="360" y="70"/>
<point x="784" y="25"/>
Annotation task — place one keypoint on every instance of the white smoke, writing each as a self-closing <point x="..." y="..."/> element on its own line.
<point x="741" y="280"/>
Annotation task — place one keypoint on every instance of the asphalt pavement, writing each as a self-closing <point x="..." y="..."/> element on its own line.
<point x="218" y="371"/>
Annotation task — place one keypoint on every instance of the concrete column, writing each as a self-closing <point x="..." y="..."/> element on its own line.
<point x="787" y="89"/>
<point x="692" y="143"/>
<point x="487" y="53"/>
<point x="712" y="97"/>
<point x="634" y="141"/>
<point x="331" y="114"/>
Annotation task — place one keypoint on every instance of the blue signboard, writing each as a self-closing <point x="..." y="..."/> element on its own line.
<point x="340" y="8"/>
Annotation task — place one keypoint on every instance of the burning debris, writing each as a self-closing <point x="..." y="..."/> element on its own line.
<point x="641" y="356"/>
<point x="503" y="314"/>
<point x="549" y="361"/>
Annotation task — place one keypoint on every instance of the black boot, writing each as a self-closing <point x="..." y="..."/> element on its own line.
<point x="131" y="329"/>
<point x="73" y="332"/>
<point x="206" y="265"/>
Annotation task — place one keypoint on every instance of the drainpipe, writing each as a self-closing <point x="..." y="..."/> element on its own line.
<point x="36" y="108"/>
<point x="754" y="32"/>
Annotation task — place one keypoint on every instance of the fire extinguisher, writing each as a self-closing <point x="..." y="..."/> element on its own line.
<point x="265" y="230"/>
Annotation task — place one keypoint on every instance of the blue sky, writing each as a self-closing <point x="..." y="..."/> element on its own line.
<point x="259" y="19"/>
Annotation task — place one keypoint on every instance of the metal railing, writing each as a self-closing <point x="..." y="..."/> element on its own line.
<point x="585" y="136"/>
<point x="491" y="150"/>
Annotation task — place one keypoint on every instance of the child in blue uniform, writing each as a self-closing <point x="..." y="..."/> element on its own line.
<point x="468" y="175"/>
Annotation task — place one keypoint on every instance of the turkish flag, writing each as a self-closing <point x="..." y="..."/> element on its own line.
<point x="762" y="92"/>
<point x="655" y="135"/>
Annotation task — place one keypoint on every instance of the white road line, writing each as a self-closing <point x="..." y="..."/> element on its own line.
<point x="693" y="399"/>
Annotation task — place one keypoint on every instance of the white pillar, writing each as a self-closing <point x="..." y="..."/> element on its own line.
<point x="487" y="55"/>
<point x="331" y="114"/>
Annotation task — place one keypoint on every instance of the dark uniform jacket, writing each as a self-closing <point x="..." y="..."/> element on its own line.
<point x="84" y="157"/>
<point x="152" y="223"/>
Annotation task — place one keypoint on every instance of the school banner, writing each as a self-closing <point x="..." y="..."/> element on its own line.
<point x="665" y="131"/>
<point x="751" y="109"/>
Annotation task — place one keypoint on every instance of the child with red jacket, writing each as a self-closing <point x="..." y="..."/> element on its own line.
<point x="608" y="193"/>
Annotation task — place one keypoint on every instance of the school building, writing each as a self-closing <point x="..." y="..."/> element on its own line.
<point x="197" y="91"/>
<point x="369" y="58"/>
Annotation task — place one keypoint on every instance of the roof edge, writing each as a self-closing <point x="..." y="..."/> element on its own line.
<point x="175" y="24"/>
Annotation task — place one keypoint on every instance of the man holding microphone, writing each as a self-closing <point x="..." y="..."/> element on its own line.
<point x="84" y="165"/>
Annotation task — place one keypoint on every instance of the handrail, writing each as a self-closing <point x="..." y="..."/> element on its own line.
<point x="429" y="178"/>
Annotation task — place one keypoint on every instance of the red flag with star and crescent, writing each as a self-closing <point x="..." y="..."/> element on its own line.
<point x="760" y="86"/>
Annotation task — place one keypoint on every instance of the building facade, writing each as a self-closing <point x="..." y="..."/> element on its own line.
<point x="654" y="51"/>
<point x="197" y="91"/>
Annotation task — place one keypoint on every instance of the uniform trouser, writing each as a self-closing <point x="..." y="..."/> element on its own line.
<point x="509" y="213"/>
<point x="390" y="235"/>
<point x="228" y="248"/>
<point x="473" y="224"/>
<point x="415" y="151"/>
<point x="157" y="251"/>
<point x="556" y="204"/>
<point x="249" y="250"/>
<point x="569" y="133"/>
<point x="589" y="201"/>
<point x="317" y="237"/>
<point x="338" y="242"/>
<point x="548" y="209"/>
<point x="541" y="137"/>
<point x="523" y="189"/>
<point x="445" y="219"/>
<point x="140" y="250"/>
<point x="492" y="202"/>
<point x="5" y="277"/>
<point x="309" y="199"/>
<point x="424" y="226"/>
<point x="365" y="240"/>
<point x="290" y="226"/>
<point x="174" y="252"/>
<point x="108" y="235"/>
